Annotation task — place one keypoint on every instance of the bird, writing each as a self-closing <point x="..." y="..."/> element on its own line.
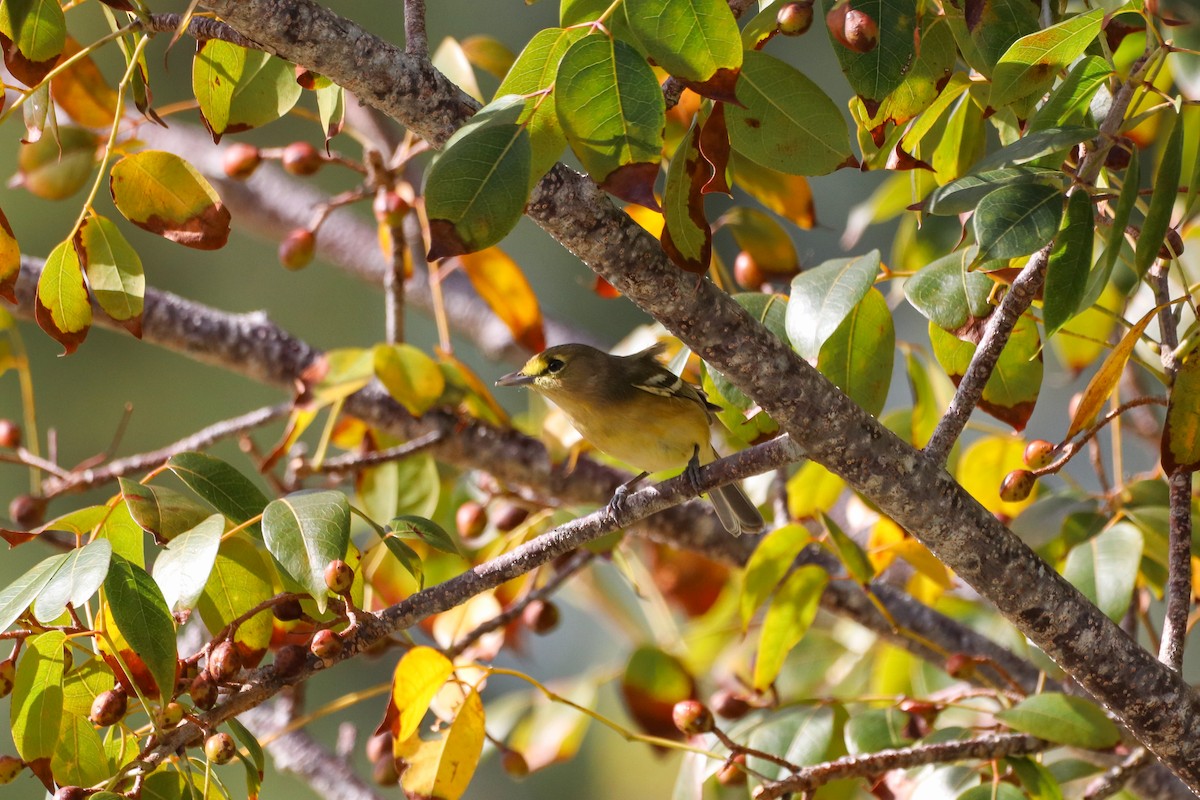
<point x="639" y="412"/>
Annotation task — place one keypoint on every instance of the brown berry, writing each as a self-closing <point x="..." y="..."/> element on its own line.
<point x="288" y="610"/>
<point x="507" y="516"/>
<point x="794" y="19"/>
<point x="1017" y="485"/>
<point x="240" y="160"/>
<point x="203" y="691"/>
<point x="10" y="434"/>
<point x="27" y="511"/>
<point x="514" y="764"/>
<point x="1039" y="453"/>
<point x="861" y="32"/>
<point x="10" y="768"/>
<point x="471" y="519"/>
<point x="301" y="158"/>
<point x="379" y="746"/>
<point x="692" y="717"/>
<point x="8" y="673"/>
<point x="728" y="704"/>
<point x="297" y="248"/>
<point x="70" y="793"/>
<point x="289" y="660"/>
<point x="108" y="708"/>
<point x="170" y="715"/>
<point x="747" y="272"/>
<point x="224" y="662"/>
<point x="219" y="748"/>
<point x="389" y="207"/>
<point x="732" y="772"/>
<point x="384" y="772"/>
<point x="540" y="616"/>
<point x="1172" y="247"/>
<point x="326" y="645"/>
<point x="339" y="576"/>
<point x="1119" y="155"/>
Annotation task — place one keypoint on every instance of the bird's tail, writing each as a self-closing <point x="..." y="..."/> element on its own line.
<point x="735" y="510"/>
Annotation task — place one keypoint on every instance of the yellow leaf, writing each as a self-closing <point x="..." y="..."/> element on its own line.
<point x="82" y="91"/>
<point x="789" y="196"/>
<point x="984" y="465"/>
<point x="418" y="677"/>
<point x="504" y="288"/>
<point x="412" y="378"/>
<point x="787" y="620"/>
<point x="812" y="490"/>
<point x="443" y="767"/>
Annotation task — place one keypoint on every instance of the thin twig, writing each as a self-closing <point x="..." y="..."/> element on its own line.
<point x="416" y="41"/>
<point x="1114" y="779"/>
<point x="989" y="747"/>
<point x="355" y="461"/>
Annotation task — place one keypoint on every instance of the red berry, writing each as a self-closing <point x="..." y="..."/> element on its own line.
<point x="384" y="772"/>
<point x="297" y="248"/>
<point x="339" y="576"/>
<point x="301" y="158"/>
<point x="747" y="272"/>
<point x="692" y="717"/>
<point x="325" y="645"/>
<point x="794" y="19"/>
<point x="861" y="32"/>
<point x="170" y="715"/>
<point x="10" y="434"/>
<point x="389" y="207"/>
<point x="288" y="610"/>
<point x="379" y="746"/>
<point x="27" y="511"/>
<point x="731" y="772"/>
<point x="540" y="616"/>
<point x="240" y="160"/>
<point x="471" y="519"/>
<point x="203" y="691"/>
<point x="728" y="704"/>
<point x="507" y="516"/>
<point x="8" y="673"/>
<point x="10" y="768"/>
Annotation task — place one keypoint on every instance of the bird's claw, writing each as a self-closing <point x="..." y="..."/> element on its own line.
<point x="617" y="504"/>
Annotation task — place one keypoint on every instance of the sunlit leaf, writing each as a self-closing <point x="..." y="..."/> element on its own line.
<point x="331" y="107"/>
<point x="183" y="568"/>
<point x="239" y="579"/>
<point x="812" y="490"/>
<point x="857" y="358"/>
<point x="1062" y="719"/>
<point x="62" y="307"/>
<point x="10" y="261"/>
<point x="450" y="60"/>
<point x="948" y="294"/>
<point x="930" y="70"/>
<point x="33" y="34"/>
<point x="18" y="595"/>
<point x="789" y="196"/>
<point x="1181" y="432"/>
<point x="687" y="237"/>
<point x="56" y="167"/>
<point x="503" y="286"/>
<point x="416" y="680"/>
<point x="767" y="242"/>
<point x="823" y="296"/>
<point x="161" y="193"/>
<point x="420" y="529"/>
<point x="964" y="194"/>
<point x="1162" y="201"/>
<point x="1105" y="568"/>
<point x="412" y="378"/>
<point x="1102" y="384"/>
<point x="223" y="487"/>
<point x="238" y="88"/>
<point x="769" y="562"/>
<point x="79" y="758"/>
<point x="786" y="122"/>
<point x="787" y="619"/>
<point x="697" y="41"/>
<point x="443" y="767"/>
<point x="876" y="729"/>
<point x="161" y="510"/>
<point x="1031" y="63"/>
<point x="654" y="681"/>
<point x="304" y="532"/>
<point x="489" y="54"/>
<point x="77" y="578"/>
<point x="82" y="91"/>
<point x="1069" y="102"/>
<point x="142" y="617"/>
<point x="984" y="464"/>
<point x="873" y="75"/>
<point x="1012" y="389"/>
<point x="114" y="271"/>
<point x="37" y="696"/>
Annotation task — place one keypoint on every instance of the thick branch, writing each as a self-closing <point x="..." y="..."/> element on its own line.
<point x="1162" y="711"/>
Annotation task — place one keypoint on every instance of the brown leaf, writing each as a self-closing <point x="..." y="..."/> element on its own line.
<point x="721" y="86"/>
<point x="633" y="183"/>
<point x="714" y="146"/>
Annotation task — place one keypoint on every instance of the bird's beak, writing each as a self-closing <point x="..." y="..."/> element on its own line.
<point x="515" y="379"/>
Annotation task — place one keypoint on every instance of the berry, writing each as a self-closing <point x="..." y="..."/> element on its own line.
<point x="507" y="516"/>
<point x="747" y="272"/>
<point x="108" y="708"/>
<point x="728" y="704"/>
<point x="326" y="646"/>
<point x="731" y="772"/>
<point x="1039" y="453"/>
<point x="297" y="248"/>
<point x="1118" y="156"/>
<point x="471" y="519"/>
<point x="203" y="691"/>
<point x="170" y="715"/>
<point x="301" y="158"/>
<point x="240" y="160"/>
<point x="379" y="746"/>
<point x="10" y="768"/>
<point x="540" y="616"/>
<point x="27" y="511"/>
<point x="10" y="434"/>
<point x="339" y="576"/>
<point x="383" y="771"/>
<point x="70" y="793"/>
<point x="219" y="748"/>
<point x="1017" y="485"/>
<point x="514" y="764"/>
<point x="224" y="662"/>
<point x="861" y="32"/>
<point x="8" y="673"/>
<point x="389" y="207"/>
<point x="960" y="665"/>
<point x="794" y="19"/>
<point x="692" y="717"/>
<point x="288" y="610"/>
<point x="290" y="660"/>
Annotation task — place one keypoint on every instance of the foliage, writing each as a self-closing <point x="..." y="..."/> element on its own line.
<point x="1045" y="168"/>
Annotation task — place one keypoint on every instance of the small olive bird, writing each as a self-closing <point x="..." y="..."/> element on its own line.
<point x="637" y="411"/>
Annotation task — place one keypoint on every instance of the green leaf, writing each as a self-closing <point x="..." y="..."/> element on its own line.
<point x="476" y="190"/>
<point x="686" y="236"/>
<point x="37" y="697"/>
<point x="410" y="486"/>
<point x="1039" y="783"/>
<point x="114" y="271"/>
<point x="1035" y="145"/>
<point x="988" y="791"/>
<point x="920" y="86"/>
<point x="1030" y="65"/>
<point x="876" y="729"/>
<point x="161" y="193"/>
<point x="19" y="594"/>
<point x="999" y="24"/>
<point x="848" y="552"/>
<point x="1070" y="101"/>
<point x="873" y="75"/>
<point x="756" y="232"/>
<point x="534" y="71"/>
<point x="858" y="356"/>
<point x="239" y="89"/>
<point x="142" y="617"/>
<point x="407" y="557"/>
<point x="331" y="108"/>
<point x="697" y="41"/>
<point x="160" y="510"/>
<point x="79" y="758"/>
<point x="786" y="122"/>
<point x="787" y="619"/>
<point x="62" y="307"/>
<point x="182" y="570"/>
<point x="612" y="112"/>
<point x="304" y="532"/>
<point x="949" y="294"/>
<point x="1069" y="264"/>
<point x="802" y="736"/>
<point x="1116" y="234"/>
<point x="962" y="195"/>
<point x="1062" y="719"/>
<point x="768" y="563"/>
<point x="1016" y="220"/>
<point x="412" y="378"/>
<point x="35" y="32"/>
<point x="240" y="579"/>
<point x="77" y="578"/>
<point x="124" y="534"/>
<point x="1105" y="568"/>
<point x="1181" y="434"/>
<point x="1162" y="200"/>
<point x="221" y="486"/>
<point x="1013" y="388"/>
<point x="256" y="762"/>
<point x="824" y="296"/>
<point x="420" y="529"/>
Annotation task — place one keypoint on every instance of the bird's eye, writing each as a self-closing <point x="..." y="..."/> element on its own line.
<point x="554" y="365"/>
